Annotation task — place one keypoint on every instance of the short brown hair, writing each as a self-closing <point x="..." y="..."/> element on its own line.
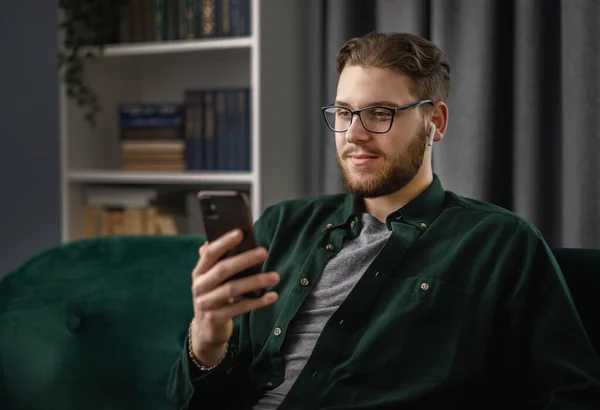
<point x="419" y="59"/>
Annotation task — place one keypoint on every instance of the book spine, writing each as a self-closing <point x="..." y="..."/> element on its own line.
<point x="188" y="15"/>
<point x="125" y="23"/>
<point x="148" y="19"/>
<point x="222" y="131"/>
<point x="246" y="133"/>
<point x="200" y="129"/>
<point x="189" y="159"/>
<point x="194" y="124"/>
<point x="171" y="19"/>
<point x="224" y="18"/>
<point x="159" y="20"/>
<point x="210" y="130"/>
<point x="136" y="24"/>
<point x="244" y="18"/>
<point x="233" y="130"/>
<point x="235" y="17"/>
<point x="151" y="118"/>
<point x="208" y="18"/>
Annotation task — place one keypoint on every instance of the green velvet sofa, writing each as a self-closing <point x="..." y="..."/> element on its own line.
<point x="98" y="323"/>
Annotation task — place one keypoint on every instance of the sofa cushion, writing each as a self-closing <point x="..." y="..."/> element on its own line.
<point x="96" y="323"/>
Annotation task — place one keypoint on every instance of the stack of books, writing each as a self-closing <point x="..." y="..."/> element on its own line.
<point x="120" y="211"/>
<point x="152" y="137"/>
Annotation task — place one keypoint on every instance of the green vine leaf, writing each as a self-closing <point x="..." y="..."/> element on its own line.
<point x="87" y="26"/>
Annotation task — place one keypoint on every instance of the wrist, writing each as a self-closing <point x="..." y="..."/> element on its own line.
<point x="206" y="358"/>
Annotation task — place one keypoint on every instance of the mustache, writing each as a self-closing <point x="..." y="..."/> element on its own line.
<point x="363" y="151"/>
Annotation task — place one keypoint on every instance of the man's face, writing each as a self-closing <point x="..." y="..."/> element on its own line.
<point x="374" y="165"/>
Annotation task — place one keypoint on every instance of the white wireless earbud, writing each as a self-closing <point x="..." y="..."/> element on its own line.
<point x="431" y="133"/>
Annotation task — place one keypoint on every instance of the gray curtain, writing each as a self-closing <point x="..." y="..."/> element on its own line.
<point x="524" y="101"/>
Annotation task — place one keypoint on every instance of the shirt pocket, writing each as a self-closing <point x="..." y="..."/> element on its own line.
<point x="422" y="330"/>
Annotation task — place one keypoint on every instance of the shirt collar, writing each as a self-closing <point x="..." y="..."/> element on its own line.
<point x="420" y="212"/>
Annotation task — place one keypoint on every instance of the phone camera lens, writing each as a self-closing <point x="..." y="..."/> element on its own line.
<point x="209" y="209"/>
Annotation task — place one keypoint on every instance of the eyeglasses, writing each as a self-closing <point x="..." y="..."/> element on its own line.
<point x="375" y="119"/>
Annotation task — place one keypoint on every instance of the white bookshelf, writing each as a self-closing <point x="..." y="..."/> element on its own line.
<point x="154" y="72"/>
<point x="116" y="177"/>
<point x="268" y="61"/>
<point x="178" y="46"/>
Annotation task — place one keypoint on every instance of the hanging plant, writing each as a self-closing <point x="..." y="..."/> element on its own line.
<point x="87" y="26"/>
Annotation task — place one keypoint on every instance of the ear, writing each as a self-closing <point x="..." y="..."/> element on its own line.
<point x="439" y="118"/>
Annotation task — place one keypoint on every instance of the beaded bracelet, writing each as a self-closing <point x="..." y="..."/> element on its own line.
<point x="195" y="360"/>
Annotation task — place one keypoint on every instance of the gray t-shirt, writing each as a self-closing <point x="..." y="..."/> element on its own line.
<point x="337" y="280"/>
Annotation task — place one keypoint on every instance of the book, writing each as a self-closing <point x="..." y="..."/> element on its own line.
<point x="218" y="129"/>
<point x="152" y="136"/>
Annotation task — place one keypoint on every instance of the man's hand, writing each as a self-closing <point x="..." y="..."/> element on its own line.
<point x="213" y="295"/>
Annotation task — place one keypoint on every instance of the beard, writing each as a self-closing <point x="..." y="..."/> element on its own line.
<point x="397" y="171"/>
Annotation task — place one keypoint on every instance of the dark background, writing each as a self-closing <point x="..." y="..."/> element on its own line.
<point x="29" y="130"/>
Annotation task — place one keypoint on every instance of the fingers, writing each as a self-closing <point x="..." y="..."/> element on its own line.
<point x="210" y="253"/>
<point x="247" y="305"/>
<point x="227" y="268"/>
<point x="232" y="310"/>
<point x="195" y="271"/>
<point x="232" y="289"/>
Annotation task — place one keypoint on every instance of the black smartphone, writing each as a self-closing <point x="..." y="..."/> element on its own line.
<point x="223" y="211"/>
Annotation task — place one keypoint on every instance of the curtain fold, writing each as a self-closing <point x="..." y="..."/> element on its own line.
<point x="580" y="126"/>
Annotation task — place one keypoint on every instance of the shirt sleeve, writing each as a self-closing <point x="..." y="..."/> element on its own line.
<point x="561" y="369"/>
<point x="189" y="388"/>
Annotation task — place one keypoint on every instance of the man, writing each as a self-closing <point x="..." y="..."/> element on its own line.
<point x="397" y="295"/>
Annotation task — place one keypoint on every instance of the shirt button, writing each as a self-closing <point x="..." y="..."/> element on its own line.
<point x="268" y="385"/>
<point x="329" y="226"/>
<point x="277" y="331"/>
<point x="304" y="282"/>
<point x="424" y="287"/>
<point x="352" y="224"/>
<point x="329" y="247"/>
<point x="423" y="225"/>
<point x="73" y="323"/>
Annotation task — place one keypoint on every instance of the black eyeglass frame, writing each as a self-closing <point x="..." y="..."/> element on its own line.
<point x="393" y="112"/>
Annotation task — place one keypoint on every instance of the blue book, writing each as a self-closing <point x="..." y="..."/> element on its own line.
<point x="194" y="125"/>
<point x="247" y="132"/>
<point x="243" y="130"/>
<point x="151" y="121"/>
<point x="209" y="135"/>
<point x="244" y="18"/>
<point x="232" y="132"/>
<point x="149" y="115"/>
<point x="222" y="130"/>
<point x="234" y="17"/>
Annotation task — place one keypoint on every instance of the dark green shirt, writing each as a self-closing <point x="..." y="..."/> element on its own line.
<point x="465" y="307"/>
